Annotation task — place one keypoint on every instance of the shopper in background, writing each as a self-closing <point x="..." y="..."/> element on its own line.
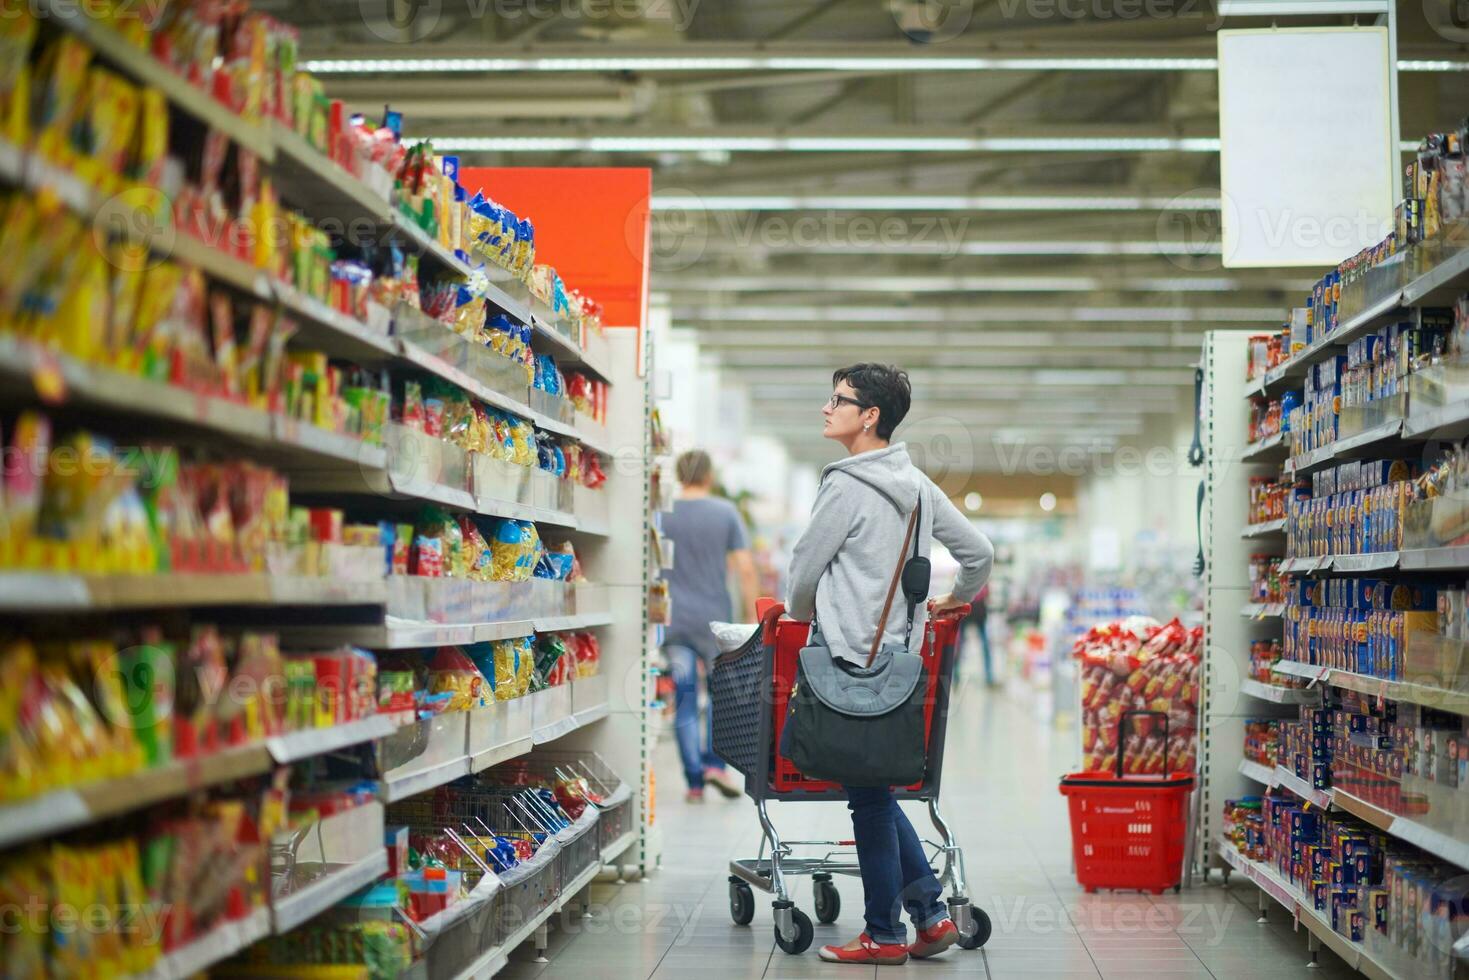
<point x="839" y="574"/>
<point x="708" y="539"/>
<point x="978" y="621"/>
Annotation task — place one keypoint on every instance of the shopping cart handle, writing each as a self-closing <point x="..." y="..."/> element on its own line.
<point x="769" y="611"/>
<point x="953" y="612"/>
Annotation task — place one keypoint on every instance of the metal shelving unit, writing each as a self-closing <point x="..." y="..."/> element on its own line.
<point x="591" y="712"/>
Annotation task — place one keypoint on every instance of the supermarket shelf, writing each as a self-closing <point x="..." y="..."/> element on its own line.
<point x="220" y="266"/>
<point x="91" y="386"/>
<point x="294" y="746"/>
<point x="1351" y="447"/>
<point x="567" y="724"/>
<point x="321" y="186"/>
<point x="1449" y="421"/>
<point x="437" y="366"/>
<point x="318" y="896"/>
<point x="1271" y="448"/>
<point x="1279" y="695"/>
<point x="1311" y="672"/>
<point x="220" y="944"/>
<point x="504" y="291"/>
<point x="29" y="592"/>
<point x="1305" y="566"/>
<point x="1441" y="285"/>
<point x="1377" y="965"/>
<point x="401" y="788"/>
<point x="66" y="809"/>
<point x="1263" y="610"/>
<point x="1289" y="780"/>
<point x="583" y="621"/>
<point x="1344" y="334"/>
<point x="1377" y="562"/>
<point x="497" y="958"/>
<point x="333" y="331"/>
<point x="138" y="64"/>
<point x="426" y="244"/>
<point x="1264" y="529"/>
<point x="614" y="850"/>
<point x="1431" y="697"/>
<point x="1263" y="775"/>
<point x="404" y="635"/>
<point x="1410" y="831"/>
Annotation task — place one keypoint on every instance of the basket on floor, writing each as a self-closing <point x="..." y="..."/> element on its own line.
<point x="1128" y="831"/>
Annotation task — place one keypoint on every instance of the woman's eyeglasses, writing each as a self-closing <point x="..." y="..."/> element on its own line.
<point x="837" y="401"/>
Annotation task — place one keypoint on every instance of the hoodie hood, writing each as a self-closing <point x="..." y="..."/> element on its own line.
<point x="889" y="471"/>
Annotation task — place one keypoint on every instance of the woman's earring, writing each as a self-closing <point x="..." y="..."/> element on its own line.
<point x="866" y="427"/>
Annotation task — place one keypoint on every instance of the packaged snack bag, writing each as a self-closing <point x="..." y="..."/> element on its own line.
<point x="452" y="671"/>
<point x="515" y="550"/>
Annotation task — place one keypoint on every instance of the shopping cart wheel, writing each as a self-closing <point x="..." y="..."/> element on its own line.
<point x="828" y="899"/>
<point x="741" y="902"/>
<point x="801" y="923"/>
<point x="977" y="931"/>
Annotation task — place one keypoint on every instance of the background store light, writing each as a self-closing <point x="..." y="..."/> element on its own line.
<point x="927" y="202"/>
<point x="973" y="502"/>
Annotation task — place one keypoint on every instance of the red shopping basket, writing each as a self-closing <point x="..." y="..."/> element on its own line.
<point x="1128" y="831"/>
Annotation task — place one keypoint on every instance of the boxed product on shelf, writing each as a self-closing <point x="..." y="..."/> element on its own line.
<point x="1361" y="625"/>
<point x="1148" y="667"/>
<point x="1271" y="416"/>
<point x="1353" y="508"/>
<point x="1270" y="498"/>
<point x="1373" y="890"/>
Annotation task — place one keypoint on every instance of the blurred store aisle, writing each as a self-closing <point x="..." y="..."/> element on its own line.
<point x="1000" y="795"/>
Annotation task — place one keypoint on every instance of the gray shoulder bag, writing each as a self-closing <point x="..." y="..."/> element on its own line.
<point x="864" y="726"/>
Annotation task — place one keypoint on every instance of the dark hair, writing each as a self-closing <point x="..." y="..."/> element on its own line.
<point x="694" y="468"/>
<point x="881" y="386"/>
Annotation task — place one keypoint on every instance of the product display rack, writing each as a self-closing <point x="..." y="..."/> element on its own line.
<point x="1400" y="436"/>
<point x="325" y="464"/>
<point x="1377" y="964"/>
<point x="1231" y="619"/>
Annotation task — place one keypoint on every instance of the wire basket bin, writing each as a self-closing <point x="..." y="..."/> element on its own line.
<point x="738" y="685"/>
<point x="589" y="775"/>
<point x="1128" y="831"/>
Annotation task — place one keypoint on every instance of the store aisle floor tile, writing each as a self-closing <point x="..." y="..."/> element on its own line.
<point x="1000" y="797"/>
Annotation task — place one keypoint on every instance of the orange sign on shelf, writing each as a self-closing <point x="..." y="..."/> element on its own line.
<point x="591" y="223"/>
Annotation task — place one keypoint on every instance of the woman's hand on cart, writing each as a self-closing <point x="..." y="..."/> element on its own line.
<point x="948" y="607"/>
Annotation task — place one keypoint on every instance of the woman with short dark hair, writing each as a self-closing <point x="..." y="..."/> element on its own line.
<point x="840" y="572"/>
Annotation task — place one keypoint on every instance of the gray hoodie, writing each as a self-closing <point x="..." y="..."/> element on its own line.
<point x="843" y="564"/>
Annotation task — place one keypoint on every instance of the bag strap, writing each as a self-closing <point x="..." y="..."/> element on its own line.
<point x="887" y="606"/>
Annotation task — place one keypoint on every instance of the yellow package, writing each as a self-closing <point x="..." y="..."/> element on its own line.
<point x="150" y="144"/>
<point x="504" y="651"/>
<point x="141" y="944"/>
<point x="124" y="297"/>
<point x="97" y="661"/>
<point x="74" y="877"/>
<point x="93" y="748"/>
<point x="112" y="116"/>
<point x="61" y="76"/>
<point x="20" y="773"/>
<point x="17" y="34"/>
<point x="81" y="322"/>
<point x="23" y="884"/>
<point x="156" y="296"/>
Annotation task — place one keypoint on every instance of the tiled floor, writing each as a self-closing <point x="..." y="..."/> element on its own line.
<point x="1000" y="796"/>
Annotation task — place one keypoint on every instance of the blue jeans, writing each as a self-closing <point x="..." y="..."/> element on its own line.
<point x="695" y="741"/>
<point x="895" y="871"/>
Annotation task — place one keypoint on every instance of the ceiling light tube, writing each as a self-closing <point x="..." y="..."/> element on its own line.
<point x="716" y="63"/>
<point x="825" y="144"/>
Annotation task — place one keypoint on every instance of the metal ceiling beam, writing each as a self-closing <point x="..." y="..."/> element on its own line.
<point x="973" y="313"/>
<point x="1026" y="50"/>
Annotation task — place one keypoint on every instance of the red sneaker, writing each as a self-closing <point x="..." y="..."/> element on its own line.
<point x="864" y="951"/>
<point x="934" y="941"/>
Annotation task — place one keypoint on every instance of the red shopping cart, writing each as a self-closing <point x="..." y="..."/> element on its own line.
<point x="749" y="688"/>
<point x="1128" y="831"/>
